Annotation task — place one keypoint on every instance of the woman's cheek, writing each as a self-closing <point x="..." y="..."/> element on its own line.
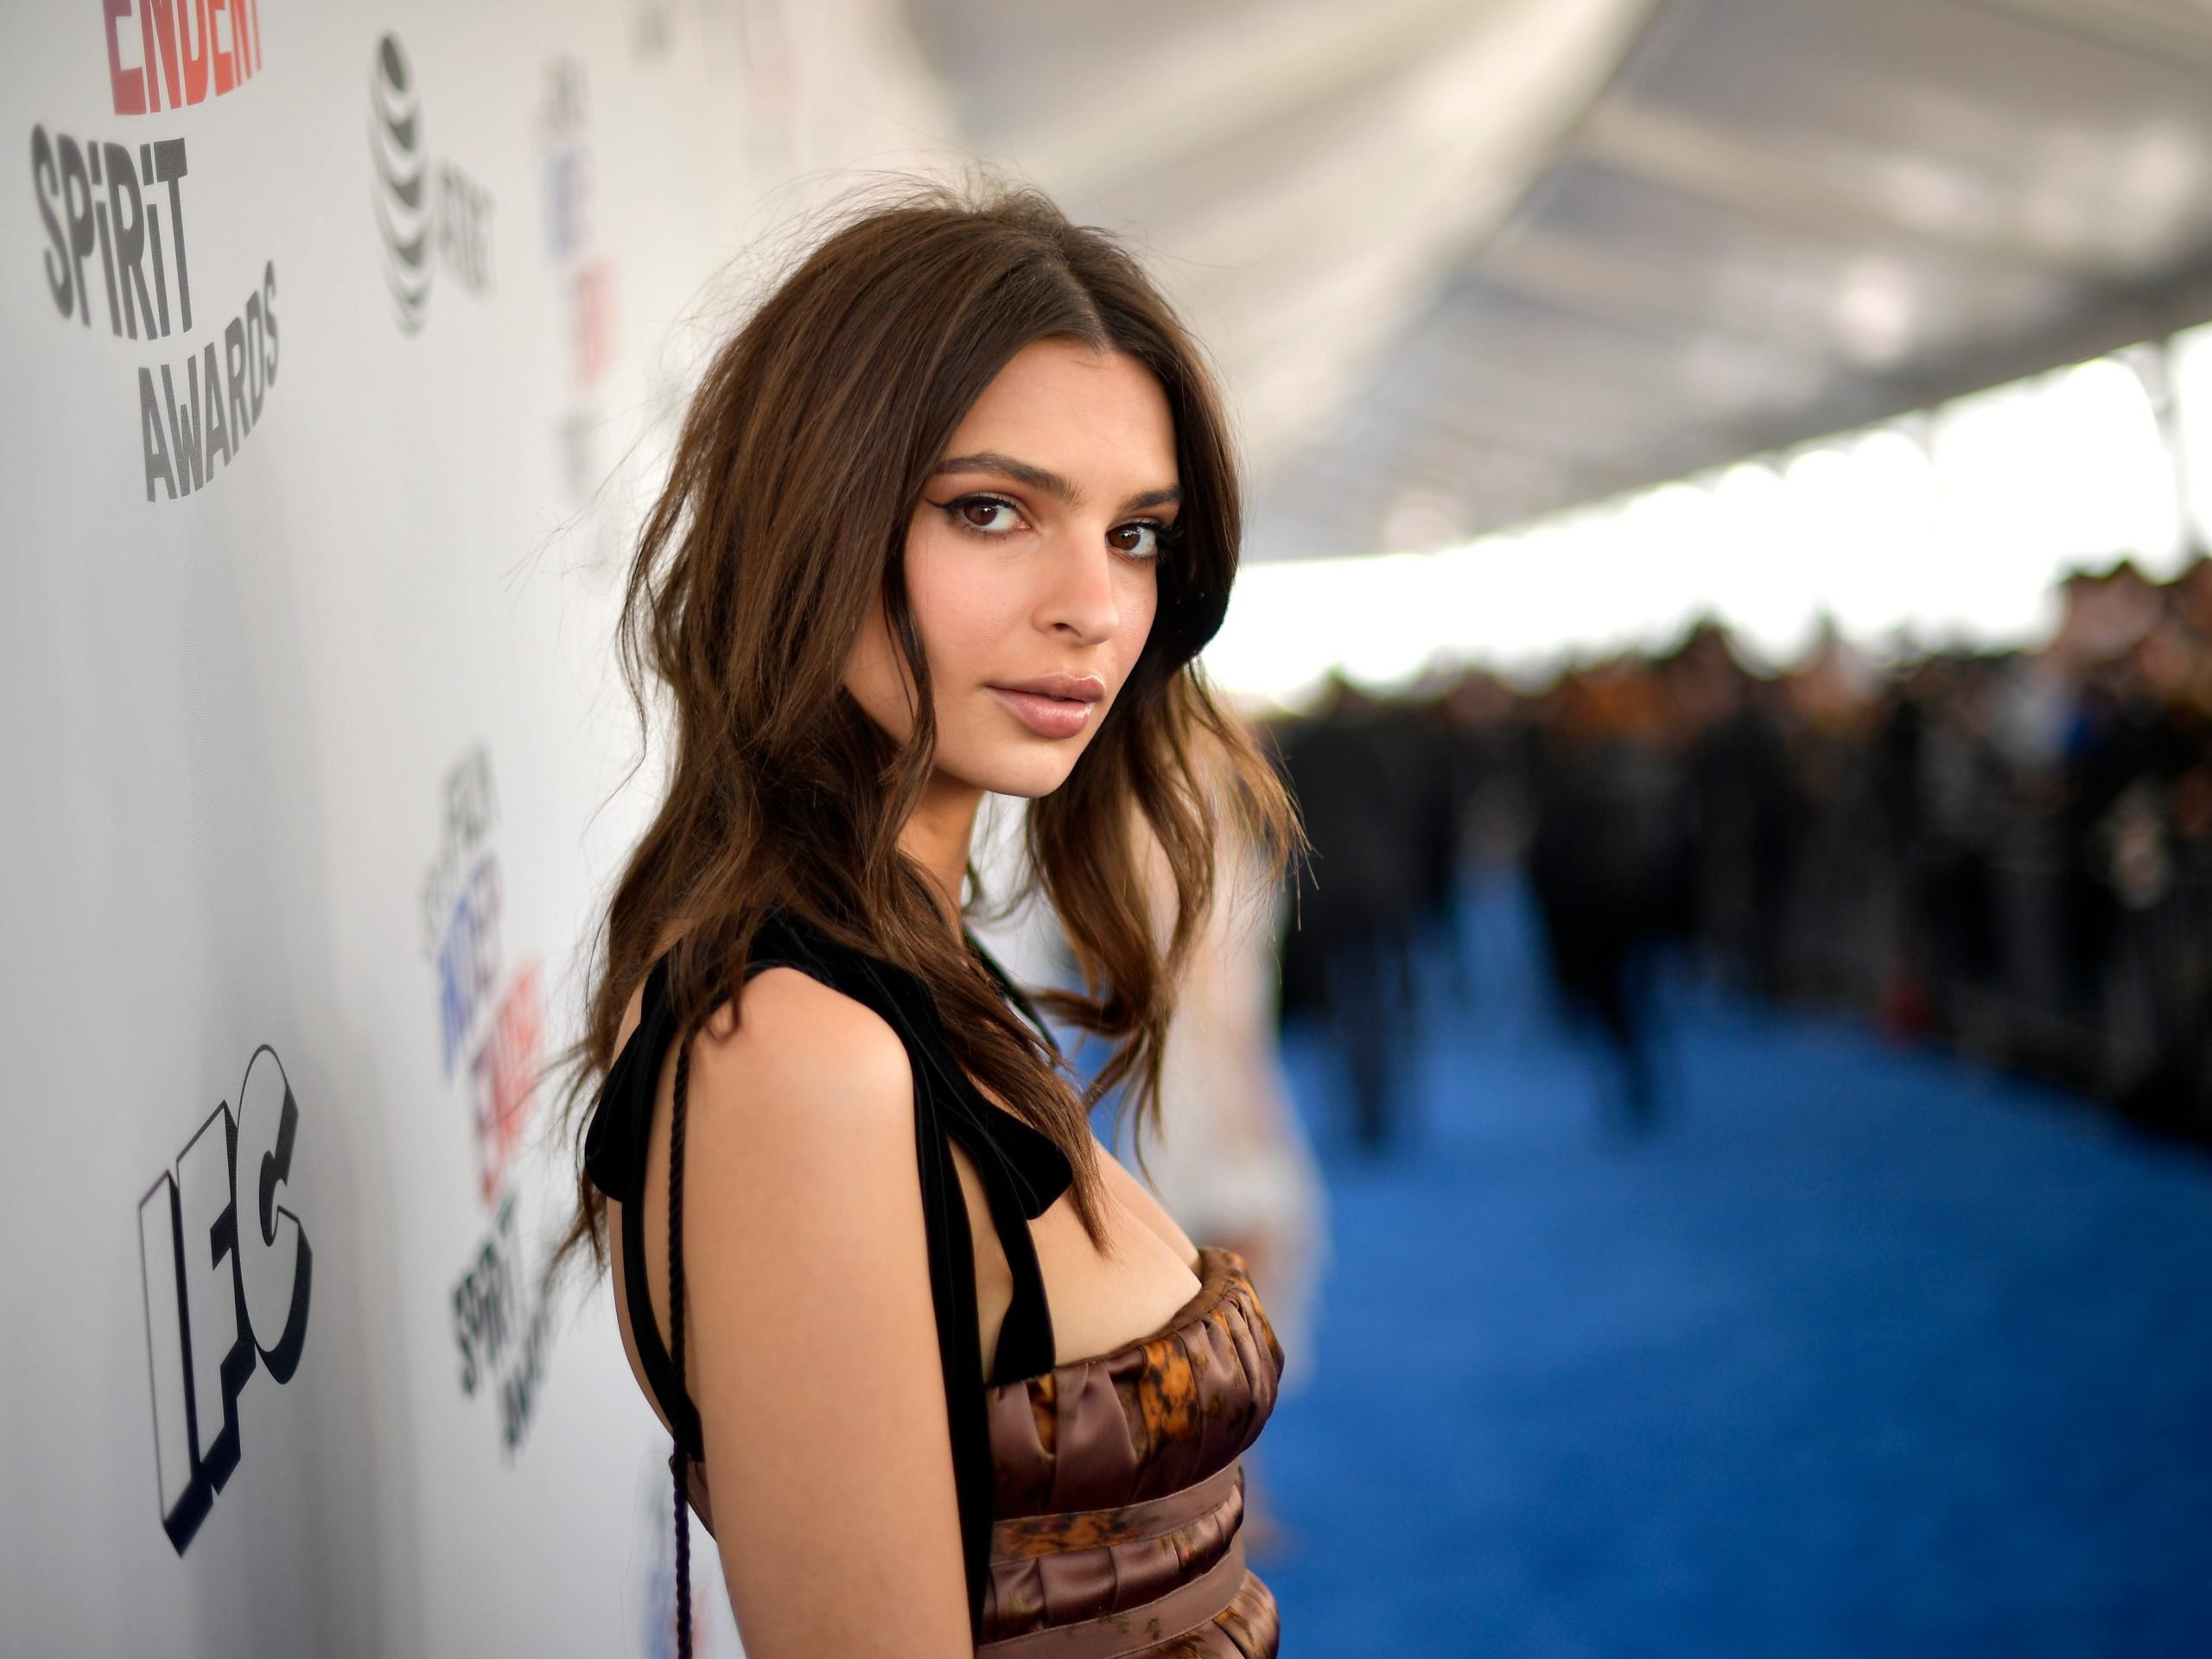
<point x="1142" y="611"/>
<point x="965" y="609"/>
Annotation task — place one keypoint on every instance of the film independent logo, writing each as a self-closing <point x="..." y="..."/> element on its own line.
<point x="402" y="183"/>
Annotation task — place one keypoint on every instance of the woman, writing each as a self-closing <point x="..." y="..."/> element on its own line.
<point x="951" y="514"/>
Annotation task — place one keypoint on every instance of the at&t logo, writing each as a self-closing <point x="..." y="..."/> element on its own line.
<point x="428" y="216"/>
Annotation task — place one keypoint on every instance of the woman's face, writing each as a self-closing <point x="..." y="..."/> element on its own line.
<point x="1030" y="568"/>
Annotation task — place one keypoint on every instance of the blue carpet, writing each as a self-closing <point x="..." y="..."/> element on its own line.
<point x="1862" y="1352"/>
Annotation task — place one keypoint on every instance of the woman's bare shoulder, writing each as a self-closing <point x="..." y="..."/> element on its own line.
<point x="789" y="1037"/>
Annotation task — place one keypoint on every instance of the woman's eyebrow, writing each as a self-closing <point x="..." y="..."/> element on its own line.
<point x="1170" y="497"/>
<point x="1051" y="483"/>
<point x="1037" y="478"/>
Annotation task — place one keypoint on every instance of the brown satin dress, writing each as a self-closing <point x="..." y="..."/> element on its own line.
<point x="1120" y="1498"/>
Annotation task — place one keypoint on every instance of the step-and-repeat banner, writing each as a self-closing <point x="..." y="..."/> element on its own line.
<point x="341" y="344"/>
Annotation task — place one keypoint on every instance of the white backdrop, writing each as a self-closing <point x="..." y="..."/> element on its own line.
<point x="310" y="738"/>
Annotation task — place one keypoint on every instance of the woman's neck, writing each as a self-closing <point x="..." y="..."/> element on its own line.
<point x="939" y="836"/>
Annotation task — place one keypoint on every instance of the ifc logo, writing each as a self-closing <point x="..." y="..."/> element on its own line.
<point x="403" y="178"/>
<point x="227" y="1270"/>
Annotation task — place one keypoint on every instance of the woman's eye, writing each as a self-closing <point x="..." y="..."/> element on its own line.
<point x="985" y="514"/>
<point x="1140" y="540"/>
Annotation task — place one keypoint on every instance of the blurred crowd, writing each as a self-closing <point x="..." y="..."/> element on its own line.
<point x="2007" y="852"/>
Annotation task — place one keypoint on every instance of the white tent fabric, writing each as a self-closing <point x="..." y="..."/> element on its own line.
<point x="1469" y="264"/>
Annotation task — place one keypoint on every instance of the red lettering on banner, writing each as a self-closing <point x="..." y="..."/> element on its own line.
<point x="594" y="321"/>
<point x="226" y="75"/>
<point x="129" y="85"/>
<point x="187" y="51"/>
<point x="157" y="27"/>
<point x="506" y="1078"/>
<point x="192" y="24"/>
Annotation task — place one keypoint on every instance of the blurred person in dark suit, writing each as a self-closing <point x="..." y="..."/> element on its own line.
<point x="1609" y="862"/>
<point x="1357" y="772"/>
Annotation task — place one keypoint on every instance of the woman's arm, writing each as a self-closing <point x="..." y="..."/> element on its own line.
<point x="811" y="1335"/>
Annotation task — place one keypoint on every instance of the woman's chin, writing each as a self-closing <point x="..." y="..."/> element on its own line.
<point x="1026" y="776"/>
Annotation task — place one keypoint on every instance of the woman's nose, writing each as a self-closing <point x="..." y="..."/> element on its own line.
<point x="1079" y="599"/>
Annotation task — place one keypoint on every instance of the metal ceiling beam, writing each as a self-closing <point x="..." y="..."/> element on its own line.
<point x="2120" y="322"/>
<point x="1571" y="276"/>
<point x="2156" y="33"/>
<point x="1705" y="159"/>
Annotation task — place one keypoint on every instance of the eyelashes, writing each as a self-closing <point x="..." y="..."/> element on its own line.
<point x="991" y="516"/>
<point x="962" y="510"/>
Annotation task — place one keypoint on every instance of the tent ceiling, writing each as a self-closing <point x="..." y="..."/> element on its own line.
<point x="1468" y="263"/>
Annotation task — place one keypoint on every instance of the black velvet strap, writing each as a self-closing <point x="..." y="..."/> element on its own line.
<point x="1023" y="1172"/>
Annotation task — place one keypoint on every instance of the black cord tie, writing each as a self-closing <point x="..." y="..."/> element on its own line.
<point x="676" y="1457"/>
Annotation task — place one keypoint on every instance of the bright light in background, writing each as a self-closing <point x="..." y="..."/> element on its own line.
<point x="1505" y="601"/>
<point x="2189" y="372"/>
<point x="1763" y="595"/>
<point x="2126" y="495"/>
<point x="1868" y="520"/>
<point x="1961" y="537"/>
<point x="2063" y="471"/>
<point x="1290" y="623"/>
<point x="1664" y="540"/>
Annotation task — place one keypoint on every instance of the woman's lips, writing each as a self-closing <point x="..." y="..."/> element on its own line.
<point x="1049" y="714"/>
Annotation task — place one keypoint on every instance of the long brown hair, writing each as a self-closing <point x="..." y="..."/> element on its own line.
<point x="782" y="526"/>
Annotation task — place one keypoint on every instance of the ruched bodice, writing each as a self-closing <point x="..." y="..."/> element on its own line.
<point x="1119" y="1495"/>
